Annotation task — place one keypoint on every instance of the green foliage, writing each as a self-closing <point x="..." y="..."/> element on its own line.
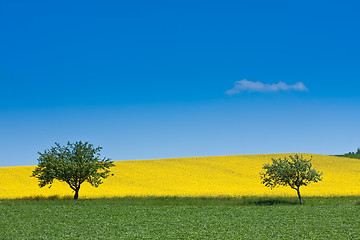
<point x="74" y="164"/>
<point x="356" y="156"/>
<point x="353" y="153"/>
<point x="294" y="172"/>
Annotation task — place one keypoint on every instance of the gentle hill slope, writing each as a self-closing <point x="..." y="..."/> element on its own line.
<point x="198" y="176"/>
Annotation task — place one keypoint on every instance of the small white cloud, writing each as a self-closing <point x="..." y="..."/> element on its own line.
<point x="249" y="86"/>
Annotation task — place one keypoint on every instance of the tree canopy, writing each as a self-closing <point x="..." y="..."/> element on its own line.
<point x="294" y="171"/>
<point x="74" y="163"/>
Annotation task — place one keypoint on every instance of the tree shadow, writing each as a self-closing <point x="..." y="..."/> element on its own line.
<point x="271" y="201"/>
<point x="40" y="197"/>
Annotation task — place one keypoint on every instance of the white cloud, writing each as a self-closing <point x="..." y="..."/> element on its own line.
<point x="249" y="86"/>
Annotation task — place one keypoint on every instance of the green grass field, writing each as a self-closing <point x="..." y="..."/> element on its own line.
<point x="181" y="218"/>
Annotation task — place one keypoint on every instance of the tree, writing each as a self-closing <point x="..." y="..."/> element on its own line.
<point x="293" y="171"/>
<point x="74" y="164"/>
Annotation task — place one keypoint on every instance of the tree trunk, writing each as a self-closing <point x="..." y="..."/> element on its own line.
<point x="298" y="192"/>
<point x="76" y="196"/>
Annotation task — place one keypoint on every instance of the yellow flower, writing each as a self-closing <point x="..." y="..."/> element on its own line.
<point x="197" y="176"/>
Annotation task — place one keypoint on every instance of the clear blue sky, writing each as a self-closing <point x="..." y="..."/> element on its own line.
<point x="162" y="79"/>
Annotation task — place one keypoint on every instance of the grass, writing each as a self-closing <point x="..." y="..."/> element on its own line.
<point x="181" y="218"/>
<point x="193" y="201"/>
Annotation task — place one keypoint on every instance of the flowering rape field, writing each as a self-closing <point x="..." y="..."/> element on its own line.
<point x="193" y="177"/>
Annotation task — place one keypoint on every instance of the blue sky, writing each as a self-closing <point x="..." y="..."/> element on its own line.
<point x="162" y="79"/>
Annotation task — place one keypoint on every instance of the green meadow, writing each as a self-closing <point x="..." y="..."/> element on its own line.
<point x="181" y="218"/>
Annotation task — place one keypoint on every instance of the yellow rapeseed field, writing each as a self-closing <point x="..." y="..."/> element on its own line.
<point x="197" y="176"/>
